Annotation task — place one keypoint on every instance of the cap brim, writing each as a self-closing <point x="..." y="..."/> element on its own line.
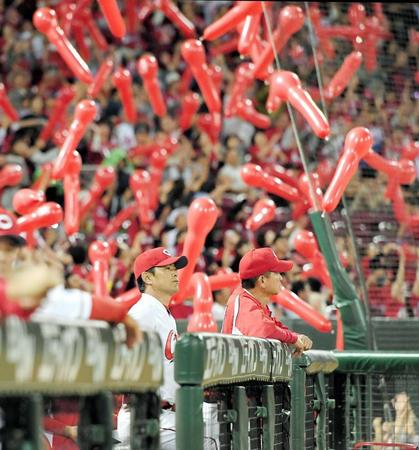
<point x="179" y="261"/>
<point x="283" y="266"/>
<point x="15" y="239"/>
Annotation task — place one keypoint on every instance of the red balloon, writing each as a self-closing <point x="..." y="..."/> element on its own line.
<point x="93" y="30"/>
<point x="100" y="256"/>
<point x="122" y="80"/>
<point x="221" y="280"/>
<point x="231" y="19"/>
<point x="344" y="75"/>
<point x="116" y="222"/>
<point x="175" y="15"/>
<point x="286" y="86"/>
<point x="190" y="105"/>
<point x="64" y="97"/>
<point x="158" y="162"/>
<point x="45" y="21"/>
<point x="202" y="320"/>
<point x="247" y="111"/>
<point x="7" y="107"/>
<point x="399" y="207"/>
<point x="248" y="31"/>
<point x="305" y="243"/>
<point x="185" y="80"/>
<point x="147" y="68"/>
<point x="356" y="13"/>
<point x="104" y="177"/>
<point x="291" y="20"/>
<point x="202" y="215"/>
<point x="10" y="175"/>
<point x="132" y="16"/>
<point x="243" y="79"/>
<point x="326" y="44"/>
<point x="83" y="116"/>
<point x="43" y="216"/>
<point x="113" y="17"/>
<point x="299" y="208"/>
<point x="303" y="185"/>
<point x="26" y="200"/>
<point x="71" y="194"/>
<point x="292" y="302"/>
<point x="358" y="142"/>
<point x="143" y="150"/>
<point x="253" y="175"/>
<point x="211" y="125"/>
<point x="227" y="46"/>
<point x="411" y="151"/>
<point x="283" y="174"/>
<point x="403" y="171"/>
<point x="224" y="279"/>
<point x="78" y="26"/>
<point x="325" y="171"/>
<point x="140" y="183"/>
<point x="102" y="75"/>
<point x="130" y="297"/>
<point x="263" y="212"/>
<point x="194" y="54"/>
<point x="216" y="74"/>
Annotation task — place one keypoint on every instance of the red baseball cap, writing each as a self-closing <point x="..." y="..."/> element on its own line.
<point x="157" y="257"/>
<point x="261" y="260"/>
<point x="9" y="228"/>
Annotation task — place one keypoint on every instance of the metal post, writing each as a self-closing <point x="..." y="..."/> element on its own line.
<point x="189" y="419"/>
<point x="298" y="408"/>
<point x="241" y="424"/>
<point x="268" y="401"/>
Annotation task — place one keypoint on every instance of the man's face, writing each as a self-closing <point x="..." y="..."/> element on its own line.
<point x="165" y="279"/>
<point x="8" y="254"/>
<point x="271" y="282"/>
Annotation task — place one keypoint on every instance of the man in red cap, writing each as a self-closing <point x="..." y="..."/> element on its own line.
<point x="156" y="273"/>
<point x="247" y="310"/>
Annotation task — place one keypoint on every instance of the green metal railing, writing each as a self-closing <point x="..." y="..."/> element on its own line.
<point x="234" y="390"/>
<point x="50" y="360"/>
<point x="311" y="405"/>
<point x="375" y="392"/>
<point x="244" y="380"/>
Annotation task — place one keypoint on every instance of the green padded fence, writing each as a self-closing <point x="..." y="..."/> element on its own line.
<point x="353" y="313"/>
<point x="53" y="360"/>
<point x="377" y="398"/>
<point x="244" y="382"/>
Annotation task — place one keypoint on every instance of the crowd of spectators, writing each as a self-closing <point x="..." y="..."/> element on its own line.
<point x="385" y="101"/>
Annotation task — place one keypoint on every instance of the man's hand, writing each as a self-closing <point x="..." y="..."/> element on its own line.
<point x="29" y="284"/>
<point x="133" y="332"/>
<point x="302" y="344"/>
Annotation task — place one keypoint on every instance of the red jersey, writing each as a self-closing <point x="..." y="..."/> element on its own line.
<point x="245" y="315"/>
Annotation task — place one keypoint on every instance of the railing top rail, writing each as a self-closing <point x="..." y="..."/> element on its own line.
<point x="67" y="359"/>
<point x="210" y="359"/>
<point x="378" y="362"/>
<point x="317" y="361"/>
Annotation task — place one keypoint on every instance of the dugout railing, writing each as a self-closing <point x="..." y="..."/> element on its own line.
<point x="43" y="361"/>
<point x="377" y="398"/>
<point x="234" y="390"/>
<point x="312" y="401"/>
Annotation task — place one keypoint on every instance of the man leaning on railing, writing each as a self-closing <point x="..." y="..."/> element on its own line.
<point x="247" y="312"/>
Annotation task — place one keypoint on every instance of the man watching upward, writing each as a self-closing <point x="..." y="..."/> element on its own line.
<point x="247" y="310"/>
<point x="156" y="273"/>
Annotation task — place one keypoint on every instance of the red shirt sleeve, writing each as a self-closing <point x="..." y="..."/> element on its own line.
<point x="257" y="322"/>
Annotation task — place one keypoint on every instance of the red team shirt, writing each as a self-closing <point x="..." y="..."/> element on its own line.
<point x="245" y="315"/>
